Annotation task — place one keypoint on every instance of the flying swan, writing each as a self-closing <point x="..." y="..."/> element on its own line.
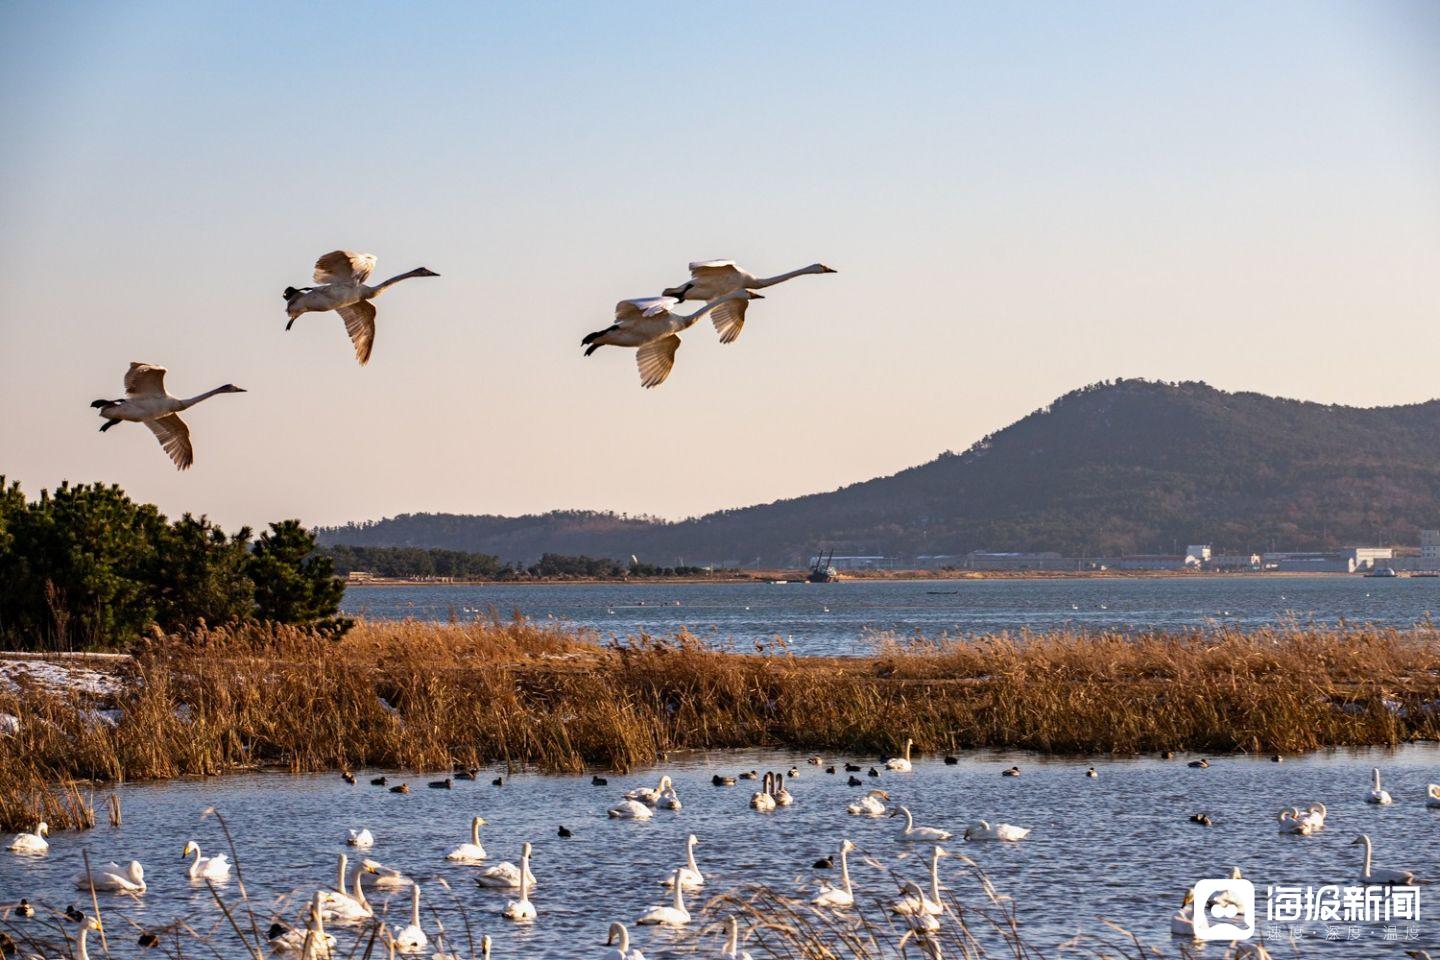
<point x="147" y="402"/>
<point x="340" y="286"/>
<point x="648" y="325"/>
<point x="711" y="279"/>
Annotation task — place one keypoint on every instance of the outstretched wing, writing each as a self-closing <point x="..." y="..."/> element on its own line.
<point x="145" y="380"/>
<point x="656" y="359"/>
<point x="344" y="266"/>
<point x="720" y="273"/>
<point x="360" y="324"/>
<point x="642" y="307"/>
<point x="174" y="436"/>
<point x="729" y="319"/>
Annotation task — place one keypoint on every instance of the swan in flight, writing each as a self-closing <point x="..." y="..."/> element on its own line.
<point x="619" y="938"/>
<point x="386" y="877"/>
<point x="1381" y="875"/>
<point x="506" y="874"/>
<point x="1432" y="798"/>
<point x="762" y="800"/>
<point x="412" y="939"/>
<point x="843" y="895"/>
<point x="32" y="842"/>
<point x="689" y="874"/>
<point x="870" y="805"/>
<point x="732" y="949"/>
<point x="711" y="279"/>
<point x="206" y="868"/>
<point x="147" y="402"/>
<point x="674" y="915"/>
<point x="522" y="910"/>
<point x="909" y="905"/>
<point x="915" y="834"/>
<point x="648" y="325"/>
<point x="471" y="852"/>
<point x="630" y="810"/>
<point x="362" y="838"/>
<point x="340" y="286"/>
<point x="1378" y="794"/>
<point x="901" y="763"/>
<point x="981" y="830"/>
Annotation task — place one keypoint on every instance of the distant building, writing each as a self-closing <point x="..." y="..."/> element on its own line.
<point x="993" y="560"/>
<point x="1146" y="561"/>
<point x="1349" y="560"/>
<point x="1235" y="561"/>
<point x="1197" y="555"/>
<point x="859" y="563"/>
<point x="1430" y="545"/>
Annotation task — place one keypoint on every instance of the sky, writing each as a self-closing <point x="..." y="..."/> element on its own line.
<point x="1019" y="199"/>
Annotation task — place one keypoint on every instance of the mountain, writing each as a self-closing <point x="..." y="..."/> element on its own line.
<point x="1123" y="467"/>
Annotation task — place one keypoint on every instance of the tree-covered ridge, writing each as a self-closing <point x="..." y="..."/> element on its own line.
<point x="87" y="567"/>
<point x="1130" y="466"/>
<point x="418" y="562"/>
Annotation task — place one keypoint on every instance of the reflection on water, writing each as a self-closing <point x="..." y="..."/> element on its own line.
<point x="836" y="618"/>
<point x="1118" y="846"/>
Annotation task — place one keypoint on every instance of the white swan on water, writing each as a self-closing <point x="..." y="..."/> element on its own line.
<point x="206" y="868"/>
<point x="341" y="891"/>
<point x="674" y="915"/>
<point x="1432" y="796"/>
<point x="340" y="286"/>
<point x="870" y="805"/>
<point x="914" y="834"/>
<point x="649" y="326"/>
<point x="763" y="800"/>
<point x="522" y="910"/>
<point x="901" y="763"/>
<point x="1381" y="875"/>
<point x="843" y="895"/>
<point x="412" y="939"/>
<point x="1378" y="794"/>
<point x="146" y="401"/>
<point x="732" y="949"/>
<point x="32" y="842"/>
<point x="690" y="875"/>
<point x="362" y="838"/>
<point x="506" y="875"/>
<point x="471" y="852"/>
<point x="113" y="878"/>
<point x="710" y="279"/>
<point x="386" y="877"/>
<point x="982" y="830"/>
<point x="619" y="938"/>
<point x="352" y="909"/>
<point x="649" y="795"/>
<point x="909" y="905"/>
<point x="630" y="810"/>
<point x="285" y="939"/>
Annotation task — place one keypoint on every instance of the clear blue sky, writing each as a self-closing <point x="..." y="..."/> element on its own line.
<point x="1020" y="198"/>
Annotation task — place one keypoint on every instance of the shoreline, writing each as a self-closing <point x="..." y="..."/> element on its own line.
<point x="791" y="578"/>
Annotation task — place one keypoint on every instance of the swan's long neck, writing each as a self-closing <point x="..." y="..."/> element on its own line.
<point x="475" y="832"/>
<point x="679" y="903"/>
<point x="686" y="322"/>
<point x="379" y="288"/>
<point x="782" y="277"/>
<point x="187" y="403"/>
<point x="415" y="905"/>
<point x="1366" y="874"/>
<point x="1377" y="779"/>
<point x="84" y="952"/>
<point x="524" y="878"/>
<point x="732" y="937"/>
<point x="690" y="856"/>
<point x="340" y="875"/>
<point x="845" y="867"/>
<point x="621" y="937"/>
<point x="909" y="820"/>
<point x="908" y="745"/>
<point x="935" y="875"/>
<point x="195" y="864"/>
<point x="360" y="891"/>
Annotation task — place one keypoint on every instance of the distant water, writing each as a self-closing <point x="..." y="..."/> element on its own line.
<point x="839" y="618"/>
<point x="1119" y="846"/>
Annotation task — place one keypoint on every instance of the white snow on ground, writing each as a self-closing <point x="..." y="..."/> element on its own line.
<point x="57" y="676"/>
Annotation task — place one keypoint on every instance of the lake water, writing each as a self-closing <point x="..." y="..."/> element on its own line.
<point x="1119" y="846"/>
<point x="837" y="618"/>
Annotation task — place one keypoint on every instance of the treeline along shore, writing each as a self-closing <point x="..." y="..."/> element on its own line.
<point x="427" y="696"/>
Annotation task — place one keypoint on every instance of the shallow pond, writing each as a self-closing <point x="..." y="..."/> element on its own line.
<point x="1118" y="846"/>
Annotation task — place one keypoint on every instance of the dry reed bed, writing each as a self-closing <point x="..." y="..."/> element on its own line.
<point x="425" y="696"/>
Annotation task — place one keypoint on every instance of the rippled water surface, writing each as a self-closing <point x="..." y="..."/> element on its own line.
<point x="1118" y="846"/>
<point x="836" y="618"/>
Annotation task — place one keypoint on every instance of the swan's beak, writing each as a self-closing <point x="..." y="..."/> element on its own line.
<point x="757" y="296"/>
<point x="829" y="270"/>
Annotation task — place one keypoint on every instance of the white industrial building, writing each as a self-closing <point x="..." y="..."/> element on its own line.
<point x="1430" y="545"/>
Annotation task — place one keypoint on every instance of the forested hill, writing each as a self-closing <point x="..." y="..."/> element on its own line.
<point x="1130" y="466"/>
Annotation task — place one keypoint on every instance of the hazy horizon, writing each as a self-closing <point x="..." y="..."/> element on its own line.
<point x="1019" y="201"/>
